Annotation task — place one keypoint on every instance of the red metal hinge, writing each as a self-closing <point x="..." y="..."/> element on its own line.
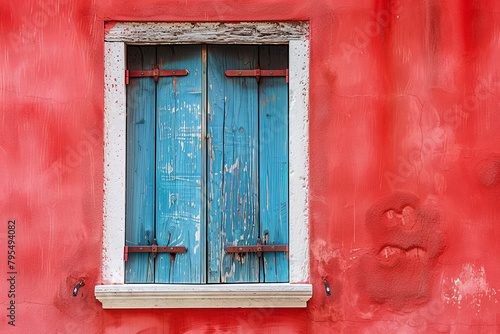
<point x="257" y="73"/>
<point x="259" y="248"/>
<point x="155" y="249"/>
<point x="155" y="73"/>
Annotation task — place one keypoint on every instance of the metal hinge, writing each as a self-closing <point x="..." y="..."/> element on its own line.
<point x="155" y="73"/>
<point x="154" y="249"/>
<point x="257" y="73"/>
<point x="259" y="248"/>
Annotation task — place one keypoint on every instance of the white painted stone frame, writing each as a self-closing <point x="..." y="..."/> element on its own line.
<point x="116" y="294"/>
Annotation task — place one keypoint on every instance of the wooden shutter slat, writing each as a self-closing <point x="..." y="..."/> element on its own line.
<point x="140" y="165"/>
<point x="234" y="112"/>
<point x="178" y="166"/>
<point x="273" y="162"/>
<point x="215" y="152"/>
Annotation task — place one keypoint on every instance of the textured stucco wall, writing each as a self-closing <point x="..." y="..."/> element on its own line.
<point x="404" y="165"/>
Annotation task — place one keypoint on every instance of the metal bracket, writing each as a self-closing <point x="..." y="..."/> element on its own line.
<point x="257" y="73"/>
<point x="259" y="248"/>
<point x="155" y="73"/>
<point x="154" y="249"/>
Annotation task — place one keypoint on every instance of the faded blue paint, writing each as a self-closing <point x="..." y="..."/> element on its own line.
<point x="178" y="165"/>
<point x="215" y="147"/>
<point x="140" y="165"/>
<point x="273" y="162"/>
<point x="238" y="193"/>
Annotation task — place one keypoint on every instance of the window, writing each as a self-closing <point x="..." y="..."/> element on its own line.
<point x="291" y="36"/>
<point x="207" y="164"/>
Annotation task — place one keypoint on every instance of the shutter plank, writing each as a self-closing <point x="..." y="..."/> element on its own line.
<point x="273" y="149"/>
<point x="140" y="164"/>
<point x="234" y="205"/>
<point x="215" y="146"/>
<point x="178" y="168"/>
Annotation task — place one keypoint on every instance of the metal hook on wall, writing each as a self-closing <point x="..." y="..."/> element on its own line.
<point x="78" y="286"/>
<point x="327" y="287"/>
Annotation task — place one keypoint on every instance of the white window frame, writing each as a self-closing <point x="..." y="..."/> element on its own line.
<point x="114" y="293"/>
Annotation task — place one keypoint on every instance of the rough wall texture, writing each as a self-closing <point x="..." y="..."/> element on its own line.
<point x="404" y="165"/>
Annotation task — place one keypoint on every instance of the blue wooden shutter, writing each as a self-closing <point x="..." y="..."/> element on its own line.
<point x="247" y="164"/>
<point x="164" y="165"/>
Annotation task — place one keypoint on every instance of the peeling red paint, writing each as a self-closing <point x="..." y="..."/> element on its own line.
<point x="108" y="25"/>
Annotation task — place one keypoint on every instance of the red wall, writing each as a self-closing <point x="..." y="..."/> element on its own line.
<point x="404" y="104"/>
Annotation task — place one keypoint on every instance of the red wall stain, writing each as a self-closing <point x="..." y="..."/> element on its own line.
<point x="404" y="124"/>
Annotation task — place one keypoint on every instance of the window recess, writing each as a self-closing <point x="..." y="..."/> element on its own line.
<point x="207" y="164"/>
<point x="114" y="292"/>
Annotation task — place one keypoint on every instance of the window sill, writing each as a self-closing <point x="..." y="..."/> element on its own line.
<point x="269" y="295"/>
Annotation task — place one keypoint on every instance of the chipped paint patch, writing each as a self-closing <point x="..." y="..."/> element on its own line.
<point x="234" y="166"/>
<point x="469" y="289"/>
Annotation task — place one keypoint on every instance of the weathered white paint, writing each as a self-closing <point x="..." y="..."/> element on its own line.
<point x="114" y="163"/>
<point x="299" y="160"/>
<point x="115" y="146"/>
<point x="203" y="296"/>
<point x="214" y="32"/>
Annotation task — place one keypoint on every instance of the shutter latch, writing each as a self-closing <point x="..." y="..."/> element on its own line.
<point x="259" y="248"/>
<point x="154" y="249"/>
<point x="155" y="73"/>
<point x="257" y="73"/>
